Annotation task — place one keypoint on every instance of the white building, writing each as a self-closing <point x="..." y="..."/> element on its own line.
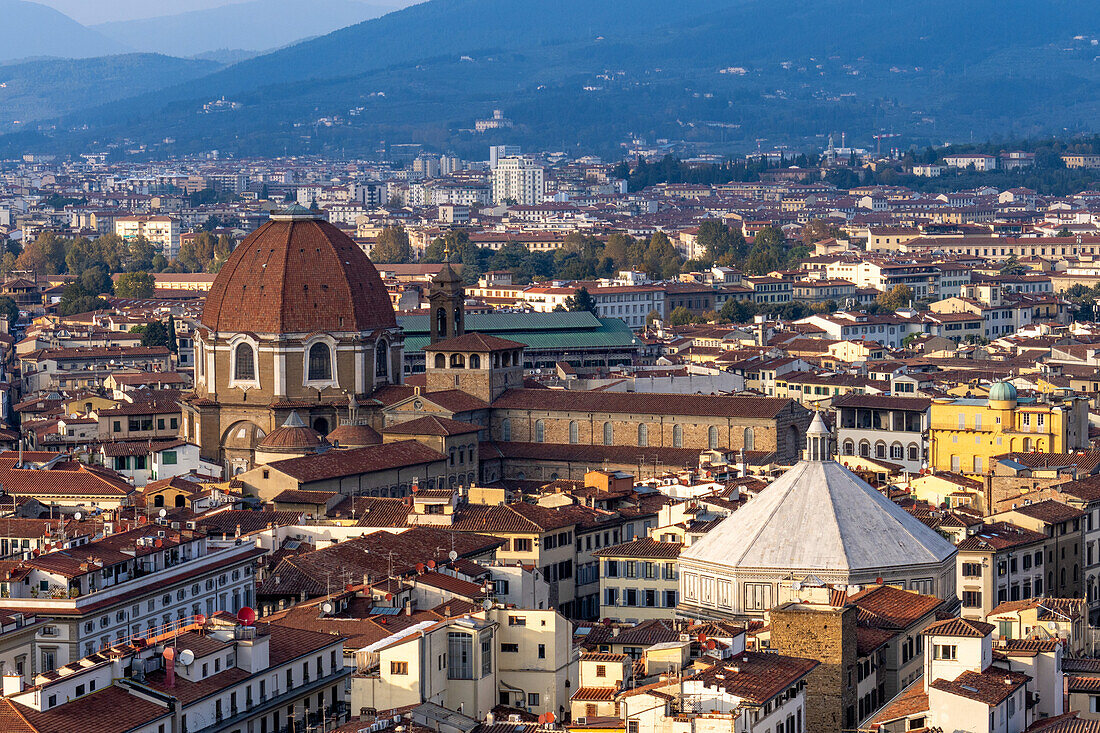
<point x="123" y="585"/>
<point x="518" y="179"/>
<point x="203" y="677"/>
<point x="162" y="231"/>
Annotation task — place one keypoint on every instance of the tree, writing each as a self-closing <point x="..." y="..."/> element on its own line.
<point x="135" y="285"/>
<point x="738" y="311"/>
<point x="392" y="246"/>
<point x="660" y="260"/>
<point x="95" y="281"/>
<point x="9" y="309"/>
<point x="899" y="297"/>
<point x="681" y="316"/>
<point x="154" y="333"/>
<point x="817" y="230"/>
<point x="652" y="317"/>
<point x="581" y="300"/>
<point x="618" y="249"/>
<point x="74" y="299"/>
<point x="1012" y="266"/>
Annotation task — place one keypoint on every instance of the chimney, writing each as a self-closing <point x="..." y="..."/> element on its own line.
<point x="408" y="608"/>
<point x="13" y="683"/>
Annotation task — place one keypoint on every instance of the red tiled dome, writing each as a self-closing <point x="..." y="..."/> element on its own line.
<point x="292" y="435"/>
<point x="297" y="274"/>
<point x="354" y="436"/>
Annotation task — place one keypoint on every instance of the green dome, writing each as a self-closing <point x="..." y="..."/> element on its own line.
<point x="1002" y="392"/>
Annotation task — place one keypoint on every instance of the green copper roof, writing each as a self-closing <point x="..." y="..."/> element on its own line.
<point x="559" y="330"/>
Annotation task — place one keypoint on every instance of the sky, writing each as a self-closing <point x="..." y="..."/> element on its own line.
<point x="90" y="12"/>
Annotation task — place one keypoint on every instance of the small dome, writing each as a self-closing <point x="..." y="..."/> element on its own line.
<point x="1002" y="392"/>
<point x="293" y="436"/>
<point x="354" y="436"/>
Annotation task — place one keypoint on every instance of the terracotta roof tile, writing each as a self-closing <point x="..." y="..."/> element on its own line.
<point x="298" y="277"/>
<point x="757" y="677"/>
<point x="991" y="687"/>
<point x="959" y="627"/>
<point x="644" y="403"/>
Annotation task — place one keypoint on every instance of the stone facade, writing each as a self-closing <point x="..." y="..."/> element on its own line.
<point x="783" y="434"/>
<point x="827" y="634"/>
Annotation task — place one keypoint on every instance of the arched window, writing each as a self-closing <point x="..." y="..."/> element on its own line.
<point x="677" y="436"/>
<point x="608" y="433"/>
<point x="1027" y="444"/>
<point x="914" y="452"/>
<point x="880" y="450"/>
<point x="458" y="361"/>
<point x="321" y="426"/>
<point x="441" y="322"/>
<point x="320" y="363"/>
<point x="158" y="500"/>
<point x="540" y="431"/>
<point x="440" y="361"/>
<point x="506" y="429"/>
<point x="180" y="500"/>
<point x="381" y="360"/>
<point x="712" y="437"/>
<point x="864" y="449"/>
<point x="643" y="435"/>
<point x="574" y="432"/>
<point x="849" y="448"/>
<point x="749" y="439"/>
<point x="896" y="453"/>
<point x="475" y="361"/>
<point x="506" y="358"/>
<point x="244" y="363"/>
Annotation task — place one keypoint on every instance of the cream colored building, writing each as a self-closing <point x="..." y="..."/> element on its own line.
<point x="161" y="231"/>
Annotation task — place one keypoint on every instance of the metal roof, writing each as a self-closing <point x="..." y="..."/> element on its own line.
<point x="556" y="330"/>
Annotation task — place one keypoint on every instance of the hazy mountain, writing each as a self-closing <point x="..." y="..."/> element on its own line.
<point x="33" y="30"/>
<point x="35" y="90"/>
<point x="574" y="73"/>
<point x="252" y="26"/>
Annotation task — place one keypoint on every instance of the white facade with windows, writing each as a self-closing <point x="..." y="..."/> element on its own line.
<point x="518" y="179"/>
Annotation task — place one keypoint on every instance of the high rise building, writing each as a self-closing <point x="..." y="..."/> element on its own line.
<point x="518" y="179"/>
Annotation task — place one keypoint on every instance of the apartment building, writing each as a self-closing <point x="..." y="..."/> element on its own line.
<point x="124" y="585"/>
<point x="998" y="562"/>
<point x="883" y="427"/>
<point x="202" y="676"/>
<point x="161" y="231"/>
<point x="519" y="180"/>
<point x="638" y="580"/>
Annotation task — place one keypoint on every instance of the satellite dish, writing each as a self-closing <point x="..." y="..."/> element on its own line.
<point x="162" y="513"/>
<point x="246" y="616"/>
<point x="326" y="607"/>
<point x="549" y="717"/>
<point x="186" y="657"/>
<point x="452" y="555"/>
<point x="77" y="516"/>
<point x="487" y="604"/>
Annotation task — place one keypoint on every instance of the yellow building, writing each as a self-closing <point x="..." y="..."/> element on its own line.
<point x="967" y="433"/>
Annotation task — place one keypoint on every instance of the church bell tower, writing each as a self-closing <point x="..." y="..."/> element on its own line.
<point x="446" y="301"/>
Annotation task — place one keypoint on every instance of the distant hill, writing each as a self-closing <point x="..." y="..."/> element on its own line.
<point x="582" y="75"/>
<point x="256" y="25"/>
<point x="36" y="90"/>
<point x="33" y="30"/>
